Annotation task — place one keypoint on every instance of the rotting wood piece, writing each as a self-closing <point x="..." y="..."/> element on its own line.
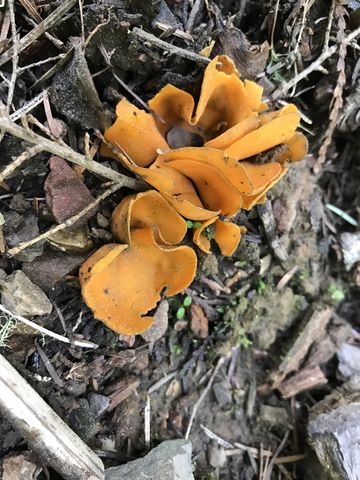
<point x="47" y="435"/>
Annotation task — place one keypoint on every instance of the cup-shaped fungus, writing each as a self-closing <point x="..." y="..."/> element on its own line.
<point x="207" y="161"/>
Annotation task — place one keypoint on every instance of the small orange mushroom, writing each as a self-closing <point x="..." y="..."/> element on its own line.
<point x="131" y="127"/>
<point x="122" y="283"/>
<point x="226" y="234"/>
<point x="148" y="210"/>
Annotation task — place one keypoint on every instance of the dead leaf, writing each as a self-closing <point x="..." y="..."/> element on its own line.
<point x="199" y="321"/>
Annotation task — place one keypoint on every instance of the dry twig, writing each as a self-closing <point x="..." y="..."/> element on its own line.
<point x="337" y="101"/>
<point x="45" y="331"/>
<point x="9" y="169"/>
<point x="181" y="52"/>
<point x="286" y="86"/>
<point x="219" y="364"/>
<point x="68" y="223"/>
<point x="46" y="434"/>
<point x="50" y="21"/>
<point x="65" y="152"/>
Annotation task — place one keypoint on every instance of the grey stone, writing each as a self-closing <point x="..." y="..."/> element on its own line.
<point x="334" y="433"/>
<point x="274" y="416"/>
<point x="21" y="228"/>
<point x="98" y="404"/>
<point x="222" y="393"/>
<point x="52" y="266"/>
<point x="74" y="94"/>
<point x="349" y="360"/>
<point x="22" y="297"/>
<point x="350" y="245"/>
<point x="171" y="460"/>
<point x="217" y="456"/>
<point x="83" y="421"/>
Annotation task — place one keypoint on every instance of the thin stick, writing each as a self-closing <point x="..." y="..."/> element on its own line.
<point x="329" y="25"/>
<point x="148" y="37"/>
<point x="27" y="107"/>
<point x="44" y="431"/>
<point x="66" y="152"/>
<point x="45" y="331"/>
<point x="15" y="55"/>
<point x="147" y="422"/>
<point x="19" y="161"/>
<point x="41" y="62"/>
<point x="206" y="390"/>
<point x="50" y="21"/>
<point x="285" y="87"/>
<point x="68" y="223"/>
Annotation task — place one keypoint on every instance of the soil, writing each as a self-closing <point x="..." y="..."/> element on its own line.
<point x="248" y="309"/>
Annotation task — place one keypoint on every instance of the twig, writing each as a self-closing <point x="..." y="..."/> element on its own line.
<point x="337" y="102"/>
<point x="50" y="21"/>
<point x="176" y="33"/>
<point x="147" y="422"/>
<point x="206" y="390"/>
<point x="329" y="25"/>
<point x="55" y="41"/>
<point x="15" y="55"/>
<point x="19" y="161"/>
<point x="286" y="86"/>
<point x="41" y="62"/>
<point x="66" y="152"/>
<point x="44" y="431"/>
<point x="273" y="26"/>
<point x="268" y="471"/>
<point x="198" y="4"/>
<point x="148" y="37"/>
<point x="155" y="386"/>
<point x="45" y="331"/>
<point x="68" y="223"/>
<point x="27" y="107"/>
<point x="49" y="367"/>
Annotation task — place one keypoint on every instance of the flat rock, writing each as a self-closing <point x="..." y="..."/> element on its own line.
<point x="22" y="297"/>
<point x="171" y="460"/>
<point x="350" y="245"/>
<point x="52" y="266"/>
<point x="349" y="360"/>
<point x="66" y="194"/>
<point x="334" y="433"/>
<point x="74" y="94"/>
<point x="21" y="228"/>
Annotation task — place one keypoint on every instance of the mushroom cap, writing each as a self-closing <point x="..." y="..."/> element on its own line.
<point x="134" y="132"/>
<point x="276" y="129"/>
<point x="148" y="210"/>
<point x="123" y="283"/>
<point x="200" y="238"/>
<point x="226" y="234"/>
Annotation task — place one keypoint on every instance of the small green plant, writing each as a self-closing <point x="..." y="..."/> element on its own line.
<point x="241" y="338"/>
<point x="261" y="287"/>
<point x="177" y="349"/>
<point x="336" y="293"/>
<point x="191" y="224"/>
<point x="187" y="301"/>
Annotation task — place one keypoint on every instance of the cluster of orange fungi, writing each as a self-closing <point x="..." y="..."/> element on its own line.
<point x="201" y="162"/>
